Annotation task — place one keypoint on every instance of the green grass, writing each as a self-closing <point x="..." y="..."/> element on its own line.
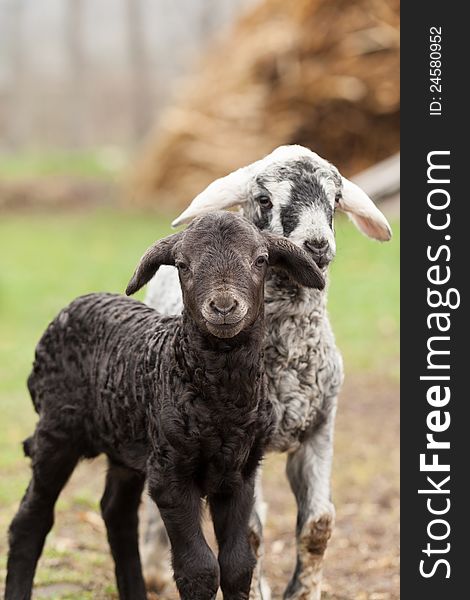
<point x="45" y="261"/>
<point x="364" y="300"/>
<point x="101" y="163"/>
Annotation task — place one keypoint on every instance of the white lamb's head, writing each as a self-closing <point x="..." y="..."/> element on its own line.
<point x="293" y="192"/>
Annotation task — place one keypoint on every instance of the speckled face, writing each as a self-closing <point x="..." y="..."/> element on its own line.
<point x="297" y="199"/>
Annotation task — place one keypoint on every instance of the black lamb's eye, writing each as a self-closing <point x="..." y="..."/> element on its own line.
<point x="261" y="260"/>
<point x="264" y="201"/>
<point x="182" y="266"/>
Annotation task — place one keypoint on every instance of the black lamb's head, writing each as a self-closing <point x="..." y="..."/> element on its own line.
<point x="222" y="261"/>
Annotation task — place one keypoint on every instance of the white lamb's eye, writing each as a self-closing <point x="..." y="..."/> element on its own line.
<point x="264" y="201"/>
<point x="261" y="260"/>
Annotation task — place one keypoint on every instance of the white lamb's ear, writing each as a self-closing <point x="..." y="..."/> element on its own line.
<point x="222" y="193"/>
<point x="234" y="188"/>
<point x="363" y="212"/>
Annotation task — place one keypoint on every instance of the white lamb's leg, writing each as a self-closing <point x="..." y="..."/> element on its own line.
<point x="164" y="291"/>
<point x="309" y="471"/>
<point x="154" y="548"/>
<point x="259" y="586"/>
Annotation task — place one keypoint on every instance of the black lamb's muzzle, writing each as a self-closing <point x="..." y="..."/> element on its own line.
<point x="225" y="330"/>
<point x="225" y="315"/>
<point x="224" y="309"/>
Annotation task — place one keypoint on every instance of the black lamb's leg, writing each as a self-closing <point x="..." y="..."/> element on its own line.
<point x="52" y="465"/>
<point x="231" y="515"/>
<point x="119" y="507"/>
<point x="196" y="570"/>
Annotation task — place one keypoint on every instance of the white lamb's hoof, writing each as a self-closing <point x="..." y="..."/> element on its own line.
<point x="305" y="594"/>
<point x="261" y="591"/>
<point x="312" y="543"/>
<point x="156" y="579"/>
<point x="265" y="590"/>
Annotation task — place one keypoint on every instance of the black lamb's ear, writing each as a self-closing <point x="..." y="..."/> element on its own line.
<point x="283" y="254"/>
<point x="160" y="253"/>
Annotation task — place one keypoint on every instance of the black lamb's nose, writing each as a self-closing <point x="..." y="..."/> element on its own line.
<point x="223" y="306"/>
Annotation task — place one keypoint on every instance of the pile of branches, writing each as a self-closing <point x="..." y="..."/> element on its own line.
<point x="322" y="73"/>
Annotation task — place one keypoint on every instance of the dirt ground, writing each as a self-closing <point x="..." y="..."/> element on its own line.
<point x="362" y="558"/>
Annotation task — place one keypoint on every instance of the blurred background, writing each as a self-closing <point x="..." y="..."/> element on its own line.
<point x="113" y="115"/>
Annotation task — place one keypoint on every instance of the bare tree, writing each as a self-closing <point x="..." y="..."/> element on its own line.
<point x="208" y="19"/>
<point x="141" y="111"/>
<point x="76" y="59"/>
<point x="16" y="115"/>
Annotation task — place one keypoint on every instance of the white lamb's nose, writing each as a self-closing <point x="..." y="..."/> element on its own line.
<point x="317" y="246"/>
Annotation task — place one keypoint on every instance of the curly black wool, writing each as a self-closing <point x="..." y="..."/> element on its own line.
<point x="179" y="401"/>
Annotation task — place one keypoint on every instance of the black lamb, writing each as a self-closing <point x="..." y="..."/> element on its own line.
<point x="179" y="401"/>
